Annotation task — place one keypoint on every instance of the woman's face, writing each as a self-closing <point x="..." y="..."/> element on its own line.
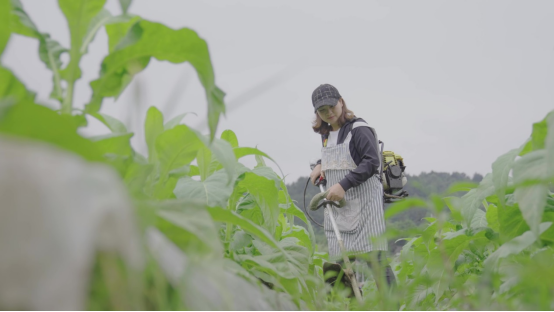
<point x="330" y="114"/>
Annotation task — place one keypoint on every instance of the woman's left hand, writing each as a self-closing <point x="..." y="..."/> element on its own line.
<point x="336" y="193"/>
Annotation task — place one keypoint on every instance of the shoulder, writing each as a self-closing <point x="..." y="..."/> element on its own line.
<point x="360" y="125"/>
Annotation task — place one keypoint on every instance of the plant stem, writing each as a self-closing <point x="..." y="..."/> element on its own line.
<point x="67" y="103"/>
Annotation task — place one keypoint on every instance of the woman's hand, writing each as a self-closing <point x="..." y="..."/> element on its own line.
<point x="336" y="193"/>
<point x="316" y="173"/>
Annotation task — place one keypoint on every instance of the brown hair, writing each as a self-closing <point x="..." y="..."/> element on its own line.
<point x="323" y="128"/>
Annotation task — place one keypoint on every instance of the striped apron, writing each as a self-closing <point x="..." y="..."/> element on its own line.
<point x="361" y="222"/>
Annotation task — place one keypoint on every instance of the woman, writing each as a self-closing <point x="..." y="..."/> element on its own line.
<point x="350" y="162"/>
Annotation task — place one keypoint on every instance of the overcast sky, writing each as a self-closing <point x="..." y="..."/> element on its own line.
<point x="449" y="85"/>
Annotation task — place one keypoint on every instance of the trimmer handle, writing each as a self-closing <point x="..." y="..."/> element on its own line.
<point x="321" y="180"/>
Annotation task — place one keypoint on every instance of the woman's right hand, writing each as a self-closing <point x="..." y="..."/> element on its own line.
<point x="316" y="173"/>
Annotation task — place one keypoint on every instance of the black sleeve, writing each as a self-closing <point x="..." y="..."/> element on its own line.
<point x="364" y="151"/>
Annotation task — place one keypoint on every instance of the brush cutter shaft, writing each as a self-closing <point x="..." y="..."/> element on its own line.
<point x="348" y="270"/>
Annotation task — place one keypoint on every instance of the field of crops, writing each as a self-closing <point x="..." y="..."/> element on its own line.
<point x="89" y="223"/>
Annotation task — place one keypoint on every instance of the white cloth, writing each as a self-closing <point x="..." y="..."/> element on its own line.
<point x="333" y="138"/>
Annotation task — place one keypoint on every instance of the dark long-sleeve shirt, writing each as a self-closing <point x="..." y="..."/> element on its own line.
<point x="364" y="151"/>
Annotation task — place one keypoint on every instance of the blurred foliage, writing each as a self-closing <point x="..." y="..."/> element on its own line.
<point x="222" y="236"/>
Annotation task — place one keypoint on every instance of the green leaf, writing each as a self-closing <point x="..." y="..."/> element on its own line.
<point x="79" y="15"/>
<point x="511" y="222"/>
<point x="275" y="261"/>
<point x="175" y="121"/>
<point x="204" y="158"/>
<point x="153" y="127"/>
<point x="12" y="89"/>
<point x="5" y="32"/>
<point x="453" y="204"/>
<point x="164" y="44"/>
<point x="112" y="123"/>
<point x="125" y="4"/>
<point x="230" y="136"/>
<point x="103" y="17"/>
<point x="473" y="199"/>
<point x="501" y="169"/>
<point x="49" y="50"/>
<point x="214" y="191"/>
<point x="479" y="219"/>
<point x="192" y="217"/>
<point x="531" y="178"/>
<point x="516" y="245"/>
<point x="266" y="195"/>
<point x="441" y="261"/>
<point x="114" y="143"/>
<point x="538" y="135"/>
<point x="135" y="178"/>
<point x="20" y="22"/>
<point x="219" y="214"/>
<point x="240" y="241"/>
<point x="492" y="218"/>
<point x="404" y="205"/>
<point x="223" y="152"/>
<point x="303" y="237"/>
<point x="549" y="146"/>
<point x="123" y="34"/>
<point x="176" y="147"/>
<point x="41" y="123"/>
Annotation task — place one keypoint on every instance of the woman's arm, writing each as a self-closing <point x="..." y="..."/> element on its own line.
<point x="364" y="150"/>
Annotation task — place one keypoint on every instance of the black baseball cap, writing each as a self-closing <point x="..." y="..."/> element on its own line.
<point x="325" y="94"/>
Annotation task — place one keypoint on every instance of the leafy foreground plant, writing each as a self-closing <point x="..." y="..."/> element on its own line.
<point x="212" y="233"/>
<point x="211" y="228"/>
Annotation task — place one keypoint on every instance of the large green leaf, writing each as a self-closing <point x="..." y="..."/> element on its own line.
<point x="511" y="222"/>
<point x="153" y="127"/>
<point x="492" y="217"/>
<point x="135" y="178"/>
<point x="112" y="123"/>
<point x="303" y="237"/>
<point x="193" y="217"/>
<point x="117" y="150"/>
<point x="176" y="147"/>
<point x="214" y="191"/>
<point x="473" y="199"/>
<point x="114" y="143"/>
<point x="479" y="219"/>
<point x="530" y="178"/>
<point x="516" y="245"/>
<point x="49" y="49"/>
<point x="501" y="169"/>
<point x="223" y="215"/>
<point x="223" y="152"/>
<point x="164" y="44"/>
<point x="266" y="195"/>
<point x="203" y="159"/>
<point x="275" y="261"/>
<point x="404" y="205"/>
<point x="41" y="123"/>
<point x="549" y="147"/>
<point x="5" y="32"/>
<point x="103" y="18"/>
<point x="231" y="137"/>
<point x="123" y="34"/>
<point x="79" y="15"/>
<point x="441" y="262"/>
<point x="12" y="89"/>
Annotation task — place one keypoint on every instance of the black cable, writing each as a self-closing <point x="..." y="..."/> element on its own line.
<point x="305" y="210"/>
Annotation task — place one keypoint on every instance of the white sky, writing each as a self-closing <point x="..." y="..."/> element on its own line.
<point x="449" y="85"/>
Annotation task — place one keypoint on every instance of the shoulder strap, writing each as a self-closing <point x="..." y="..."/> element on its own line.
<point x="364" y="124"/>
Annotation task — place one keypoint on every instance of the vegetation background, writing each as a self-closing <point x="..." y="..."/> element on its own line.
<point x="90" y="222"/>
